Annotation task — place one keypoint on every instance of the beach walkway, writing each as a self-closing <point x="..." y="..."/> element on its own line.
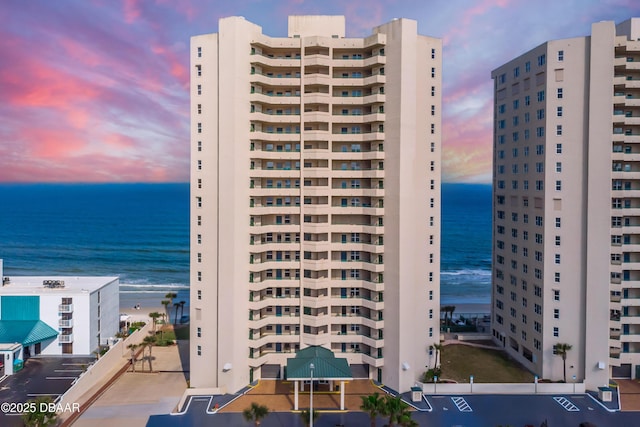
<point x="134" y="396"/>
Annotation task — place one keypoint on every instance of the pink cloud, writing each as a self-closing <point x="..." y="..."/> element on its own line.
<point x="131" y="10"/>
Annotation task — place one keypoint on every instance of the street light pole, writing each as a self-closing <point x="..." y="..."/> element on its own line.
<point x="311" y="397"/>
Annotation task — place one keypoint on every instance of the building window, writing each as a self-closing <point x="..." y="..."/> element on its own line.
<point x="558" y="185"/>
<point x="433" y="54"/>
<point x="199" y="165"/>
<point x="199" y="294"/>
<point x="199" y="145"/>
<point x="199" y="201"/>
<point x="556" y="295"/>
<point x="558" y="222"/>
<point x="199" y="276"/>
<point x="433" y="91"/>
<point x="199" y="350"/>
<point x="199" y="89"/>
<point x="540" y="95"/>
<point x="561" y="55"/>
<point x="199" y="239"/>
<point x="559" y="148"/>
<point x="199" y="52"/>
<point x="433" y="72"/>
<point x="556" y="277"/>
<point x="199" y="127"/>
<point x="199" y="332"/>
<point x="559" y="92"/>
<point x="556" y="332"/>
<point x="558" y="130"/>
<point x="542" y="59"/>
<point x="559" y="111"/>
<point x="558" y="166"/>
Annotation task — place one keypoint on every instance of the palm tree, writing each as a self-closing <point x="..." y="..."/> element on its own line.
<point x="182" y="303"/>
<point x="154" y="316"/>
<point x="372" y="405"/>
<point x="406" y="421"/>
<point x="175" y="319"/>
<point x="438" y="349"/>
<point x="133" y="348"/>
<point x="306" y="416"/>
<point x="166" y="303"/>
<point x="255" y="413"/>
<point x="561" y="349"/>
<point x="149" y="341"/>
<point x="395" y="409"/>
<point x="170" y="296"/>
<point x="41" y="415"/>
<point x="452" y="308"/>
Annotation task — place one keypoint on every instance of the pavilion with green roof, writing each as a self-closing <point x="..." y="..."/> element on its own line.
<point x="326" y="367"/>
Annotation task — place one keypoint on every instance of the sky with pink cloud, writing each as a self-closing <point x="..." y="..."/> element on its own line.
<point x="97" y="90"/>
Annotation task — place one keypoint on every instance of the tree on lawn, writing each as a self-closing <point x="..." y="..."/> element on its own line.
<point x="175" y="319"/>
<point x="182" y="303"/>
<point x="148" y="342"/>
<point x="154" y="317"/>
<point x="372" y="405"/>
<point x="561" y="349"/>
<point x="133" y="348"/>
<point x="255" y="413"/>
<point x="39" y="417"/>
<point x="395" y="409"/>
<point x="166" y="303"/>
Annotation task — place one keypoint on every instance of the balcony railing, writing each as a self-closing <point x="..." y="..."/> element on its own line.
<point x="65" y="323"/>
<point x="65" y="308"/>
<point x="65" y="339"/>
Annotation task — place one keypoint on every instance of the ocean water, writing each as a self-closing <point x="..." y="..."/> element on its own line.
<point x="140" y="232"/>
<point x="465" y="275"/>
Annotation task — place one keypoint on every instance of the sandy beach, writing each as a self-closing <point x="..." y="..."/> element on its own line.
<point x="146" y="303"/>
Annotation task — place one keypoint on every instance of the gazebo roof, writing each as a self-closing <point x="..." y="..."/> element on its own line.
<point x="326" y="365"/>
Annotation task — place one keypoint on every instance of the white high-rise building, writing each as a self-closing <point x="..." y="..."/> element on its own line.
<point x="315" y="212"/>
<point x="566" y="246"/>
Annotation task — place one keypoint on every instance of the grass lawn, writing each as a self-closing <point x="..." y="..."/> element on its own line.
<point x="486" y="366"/>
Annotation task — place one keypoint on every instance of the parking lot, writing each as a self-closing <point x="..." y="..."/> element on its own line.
<point x="461" y="411"/>
<point x="41" y="376"/>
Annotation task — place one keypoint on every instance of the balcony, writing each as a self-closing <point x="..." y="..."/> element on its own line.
<point x="65" y="308"/>
<point x="65" y="323"/>
<point x="65" y="339"/>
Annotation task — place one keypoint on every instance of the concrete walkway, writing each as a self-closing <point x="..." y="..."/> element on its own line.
<point x="134" y="396"/>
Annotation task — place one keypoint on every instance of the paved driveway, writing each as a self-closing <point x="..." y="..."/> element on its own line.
<point x="464" y="410"/>
<point x="48" y="376"/>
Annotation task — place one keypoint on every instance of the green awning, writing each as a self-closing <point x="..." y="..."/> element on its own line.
<point x="26" y="332"/>
<point x="325" y="365"/>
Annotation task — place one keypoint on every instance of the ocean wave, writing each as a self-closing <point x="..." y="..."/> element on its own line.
<point x="466" y="272"/>
<point x="153" y="286"/>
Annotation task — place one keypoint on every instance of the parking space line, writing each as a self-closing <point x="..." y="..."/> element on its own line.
<point x="60" y="378"/>
<point x="67" y="370"/>
<point x="566" y="404"/>
<point x="461" y="404"/>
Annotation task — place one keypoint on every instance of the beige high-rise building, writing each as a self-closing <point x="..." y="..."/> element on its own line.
<point x="566" y="246"/>
<point x="315" y="212"/>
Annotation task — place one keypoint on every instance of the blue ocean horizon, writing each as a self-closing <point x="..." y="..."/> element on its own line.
<point x="140" y="232"/>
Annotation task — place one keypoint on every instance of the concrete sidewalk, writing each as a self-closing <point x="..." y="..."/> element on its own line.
<point x="135" y="396"/>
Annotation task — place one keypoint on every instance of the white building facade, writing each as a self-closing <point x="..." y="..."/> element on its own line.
<point x="566" y="207"/>
<point x="315" y="214"/>
<point x="59" y="315"/>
